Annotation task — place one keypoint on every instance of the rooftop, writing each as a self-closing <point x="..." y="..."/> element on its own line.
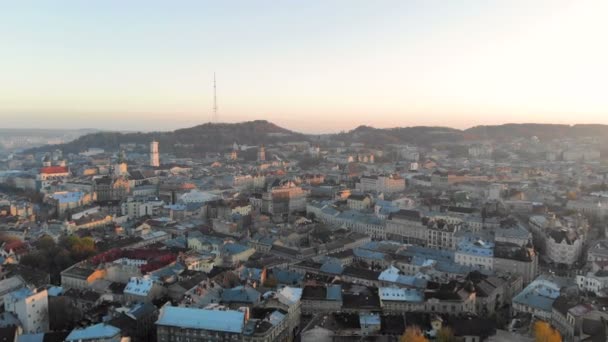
<point x="216" y="320"/>
<point x="94" y="332"/>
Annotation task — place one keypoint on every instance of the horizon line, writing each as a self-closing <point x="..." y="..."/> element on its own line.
<point x="289" y="129"/>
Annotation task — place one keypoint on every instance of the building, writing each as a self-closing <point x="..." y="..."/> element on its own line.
<point x="111" y="189"/>
<point x="284" y="199"/>
<point x="381" y="184"/>
<point x="139" y="207"/>
<point x="50" y="173"/>
<point x="564" y="246"/>
<point x="80" y="276"/>
<point x="321" y="298"/>
<point x="441" y="235"/>
<point x="32" y="309"/>
<point x="359" y="201"/>
<point x="598" y="251"/>
<point x="261" y="153"/>
<point x="9" y="285"/>
<point x="154" y="159"/>
<point x="537" y="298"/>
<point x="142" y="289"/>
<point x="399" y="300"/>
<point x="407" y="226"/>
<point x="65" y="201"/>
<point x="475" y="253"/>
<point x="178" y="324"/>
<point x="512" y="258"/>
<point x="95" y="333"/>
<point x="595" y="282"/>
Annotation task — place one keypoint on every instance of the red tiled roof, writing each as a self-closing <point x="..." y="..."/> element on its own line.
<point x="19" y="247"/>
<point x="54" y="169"/>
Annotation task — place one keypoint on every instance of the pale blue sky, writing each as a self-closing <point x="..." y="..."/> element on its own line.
<point x="314" y="66"/>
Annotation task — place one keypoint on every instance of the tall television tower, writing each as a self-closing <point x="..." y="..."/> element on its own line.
<point x="215" y="117"/>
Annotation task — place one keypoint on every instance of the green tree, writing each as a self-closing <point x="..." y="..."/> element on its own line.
<point x="46" y="243"/>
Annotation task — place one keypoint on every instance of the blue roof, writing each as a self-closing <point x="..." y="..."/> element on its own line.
<point x="216" y="320"/>
<point x="68" y="197"/>
<point x="476" y="247"/>
<point x="334" y="292"/>
<point x="429" y="253"/>
<point x="367" y="254"/>
<point x="332" y="267"/>
<point x="401" y="294"/>
<point x="540" y="294"/>
<point x="31" y="338"/>
<point x="54" y="291"/>
<point x="287" y="277"/>
<point x="21" y="293"/>
<point x="251" y="273"/>
<point x="369" y="319"/>
<point x="168" y="271"/>
<point x="97" y="331"/>
<point x="175" y="207"/>
<point x="276" y="317"/>
<point x="234" y="248"/>
<point x="241" y="294"/>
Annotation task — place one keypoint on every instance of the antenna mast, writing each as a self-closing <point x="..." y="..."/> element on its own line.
<point x="215" y="117"/>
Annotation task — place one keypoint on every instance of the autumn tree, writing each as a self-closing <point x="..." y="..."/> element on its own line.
<point x="543" y="332"/>
<point x="445" y="334"/>
<point x="413" y="334"/>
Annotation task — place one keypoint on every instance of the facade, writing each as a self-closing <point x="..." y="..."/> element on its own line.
<point x="321" y="298"/>
<point x="595" y="282"/>
<point x="261" y="153"/>
<point x="32" y="309"/>
<point x="564" y="246"/>
<point x="407" y="226"/>
<point x="154" y="159"/>
<point x="511" y="258"/>
<point x="284" y="199"/>
<point x="381" y="184"/>
<point x="478" y="254"/>
<point x="140" y="207"/>
<point x="359" y="202"/>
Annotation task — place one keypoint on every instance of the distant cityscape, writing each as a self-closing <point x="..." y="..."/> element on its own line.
<point x="258" y="233"/>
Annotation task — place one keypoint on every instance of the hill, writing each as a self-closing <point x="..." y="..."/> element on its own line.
<point x="211" y="137"/>
<point x="197" y="140"/>
<point x="542" y="131"/>
<point x="420" y="135"/>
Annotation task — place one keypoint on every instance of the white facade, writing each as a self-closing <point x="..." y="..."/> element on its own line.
<point x="136" y="209"/>
<point x="594" y="282"/>
<point x="32" y="309"/>
<point x="564" y="252"/>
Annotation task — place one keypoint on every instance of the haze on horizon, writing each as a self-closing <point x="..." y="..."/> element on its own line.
<point x="314" y="66"/>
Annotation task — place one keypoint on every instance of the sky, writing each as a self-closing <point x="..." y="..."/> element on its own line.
<point x="312" y="66"/>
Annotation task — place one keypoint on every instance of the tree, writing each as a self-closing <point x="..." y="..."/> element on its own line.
<point x="445" y="334"/>
<point x="46" y="243"/>
<point x="543" y="332"/>
<point x="413" y="334"/>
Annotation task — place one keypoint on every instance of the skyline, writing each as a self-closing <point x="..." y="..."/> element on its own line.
<point x="315" y="68"/>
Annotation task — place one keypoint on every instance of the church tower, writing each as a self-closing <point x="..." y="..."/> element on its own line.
<point x="121" y="168"/>
<point x="261" y="153"/>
